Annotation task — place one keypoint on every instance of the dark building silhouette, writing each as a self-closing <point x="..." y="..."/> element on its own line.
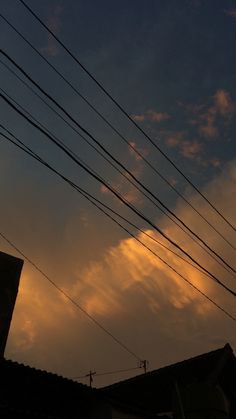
<point x="203" y="387"/>
<point x="27" y="392"/>
<point x="10" y="270"/>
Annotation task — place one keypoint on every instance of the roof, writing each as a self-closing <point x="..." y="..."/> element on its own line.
<point x="154" y="390"/>
<point x="28" y="392"/>
<point x="36" y="393"/>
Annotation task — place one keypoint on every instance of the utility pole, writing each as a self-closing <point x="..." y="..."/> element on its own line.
<point x="144" y="365"/>
<point x="90" y="375"/>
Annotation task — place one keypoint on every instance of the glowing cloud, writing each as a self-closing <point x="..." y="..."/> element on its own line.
<point x="188" y="149"/>
<point x="151" y="116"/>
<point x="129" y="285"/>
<point x="130" y="266"/>
<point x="231" y="12"/>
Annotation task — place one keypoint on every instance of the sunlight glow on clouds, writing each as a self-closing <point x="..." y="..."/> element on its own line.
<point x="129" y="275"/>
<point x="31" y="315"/>
<point x="151" y="116"/>
<point x="122" y="185"/>
<point x="188" y="149"/>
<point x="231" y="12"/>
<point x="206" y="117"/>
<point x="129" y="265"/>
<point x="133" y="147"/>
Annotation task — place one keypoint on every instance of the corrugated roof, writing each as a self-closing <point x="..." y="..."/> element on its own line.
<point x="32" y="390"/>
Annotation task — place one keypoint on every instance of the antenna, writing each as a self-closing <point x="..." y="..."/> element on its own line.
<point x="90" y="375"/>
<point x="144" y="364"/>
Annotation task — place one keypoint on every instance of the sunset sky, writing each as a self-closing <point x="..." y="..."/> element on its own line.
<point x="172" y="66"/>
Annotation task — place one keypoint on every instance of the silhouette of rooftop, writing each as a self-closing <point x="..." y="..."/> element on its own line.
<point x="43" y="394"/>
<point x="154" y="390"/>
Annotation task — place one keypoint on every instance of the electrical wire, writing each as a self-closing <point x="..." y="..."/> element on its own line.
<point x="124" y="112"/>
<point x="94" y="201"/>
<point x="69" y="298"/>
<point x="34" y="155"/>
<point x="136" y="151"/>
<point x="115" y="193"/>
<point x="105" y="158"/>
<point x="116" y="161"/>
<point x="101" y="374"/>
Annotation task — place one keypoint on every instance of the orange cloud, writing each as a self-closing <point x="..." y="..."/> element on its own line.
<point x="215" y="162"/>
<point x="128" y="266"/>
<point x="188" y="149"/>
<point x="132" y="293"/>
<point x="174" y="139"/>
<point x="39" y="309"/>
<point x="223" y="103"/>
<point x="231" y="12"/>
<point x="138" y="118"/>
<point x="208" y="131"/>
<point x="151" y="116"/>
<point x="191" y="149"/>
<point x="143" y="151"/>
<point x="206" y="118"/>
<point x="125" y="189"/>
<point x="157" y="116"/>
<point x="122" y="184"/>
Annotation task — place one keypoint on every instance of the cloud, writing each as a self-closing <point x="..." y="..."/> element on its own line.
<point x="206" y="118"/>
<point x="208" y="130"/>
<point x="128" y="268"/>
<point x="215" y="162"/>
<point x="32" y="317"/>
<point x="188" y="149"/>
<point x="174" y="139"/>
<point x="143" y="151"/>
<point x="54" y="24"/>
<point x="122" y="185"/>
<point x="106" y="285"/>
<point x="157" y="116"/>
<point x="191" y="149"/>
<point x="173" y="181"/>
<point x="223" y="107"/>
<point x="139" y="118"/>
<point x="125" y="188"/>
<point x="223" y="103"/>
<point x="152" y="116"/>
<point x="231" y="12"/>
<point x="133" y="294"/>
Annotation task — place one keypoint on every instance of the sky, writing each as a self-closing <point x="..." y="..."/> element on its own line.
<point x="172" y="66"/>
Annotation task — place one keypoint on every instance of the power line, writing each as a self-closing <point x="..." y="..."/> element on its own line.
<point x="101" y="374"/>
<point x="75" y="303"/>
<point x="28" y="150"/>
<point x="124" y="112"/>
<point x="94" y="201"/>
<point x="137" y="152"/>
<point x="106" y="159"/>
<point x="115" y="193"/>
<point x="114" y="159"/>
<point x="73" y="158"/>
